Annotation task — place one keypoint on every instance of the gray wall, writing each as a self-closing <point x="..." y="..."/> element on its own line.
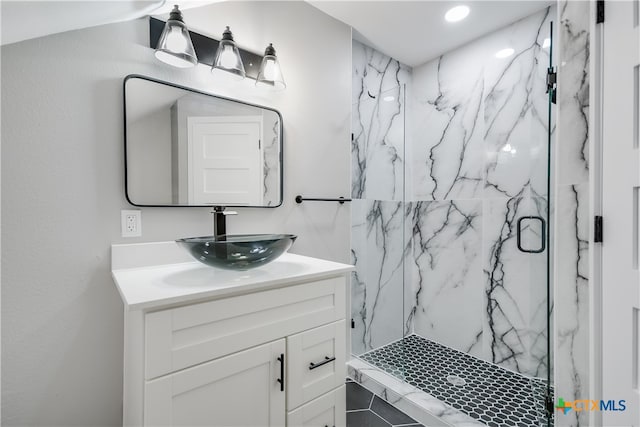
<point x="62" y="190"/>
<point x="149" y="148"/>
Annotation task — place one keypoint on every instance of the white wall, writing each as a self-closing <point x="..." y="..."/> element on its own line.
<point x="62" y="190"/>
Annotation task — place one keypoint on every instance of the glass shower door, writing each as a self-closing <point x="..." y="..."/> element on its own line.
<point x="477" y="281"/>
<point x="451" y="230"/>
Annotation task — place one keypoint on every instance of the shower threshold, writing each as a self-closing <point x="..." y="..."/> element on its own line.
<point x="441" y="386"/>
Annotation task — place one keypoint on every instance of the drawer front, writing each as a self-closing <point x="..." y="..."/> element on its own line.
<point x="186" y="336"/>
<point x="328" y="410"/>
<point x="316" y="362"/>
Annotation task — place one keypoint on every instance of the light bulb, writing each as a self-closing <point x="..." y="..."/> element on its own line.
<point x="228" y="58"/>
<point x="270" y="69"/>
<point x="175" y="40"/>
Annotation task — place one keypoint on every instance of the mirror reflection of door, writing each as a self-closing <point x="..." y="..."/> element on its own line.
<point x="187" y="148"/>
<point x="224" y="160"/>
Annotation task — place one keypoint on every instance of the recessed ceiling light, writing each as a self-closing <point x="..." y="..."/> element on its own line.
<point x="546" y="43"/>
<point x="504" y="53"/>
<point x="457" y="13"/>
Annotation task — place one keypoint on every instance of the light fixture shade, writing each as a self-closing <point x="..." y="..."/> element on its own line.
<point x="175" y="46"/>
<point x="270" y="74"/>
<point x="228" y="57"/>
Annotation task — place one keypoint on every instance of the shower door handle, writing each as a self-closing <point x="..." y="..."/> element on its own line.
<point x="543" y="234"/>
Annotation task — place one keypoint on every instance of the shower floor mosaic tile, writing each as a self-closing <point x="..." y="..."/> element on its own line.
<point x="488" y="393"/>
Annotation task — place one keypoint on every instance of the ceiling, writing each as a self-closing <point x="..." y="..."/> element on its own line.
<point x="23" y="20"/>
<point x="411" y="31"/>
<point x="414" y="32"/>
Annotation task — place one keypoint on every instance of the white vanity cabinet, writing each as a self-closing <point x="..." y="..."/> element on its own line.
<point x="261" y="348"/>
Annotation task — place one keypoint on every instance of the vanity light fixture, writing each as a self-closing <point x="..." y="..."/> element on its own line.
<point x="270" y="73"/>
<point x="457" y="13"/>
<point x="504" y="53"/>
<point x="175" y="46"/>
<point x="224" y="57"/>
<point x="228" y="57"/>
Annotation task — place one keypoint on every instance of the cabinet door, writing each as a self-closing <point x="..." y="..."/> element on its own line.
<point x="316" y="363"/>
<point x="241" y="389"/>
<point x="328" y="410"/>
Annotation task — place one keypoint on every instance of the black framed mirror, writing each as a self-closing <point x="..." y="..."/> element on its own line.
<point x="184" y="147"/>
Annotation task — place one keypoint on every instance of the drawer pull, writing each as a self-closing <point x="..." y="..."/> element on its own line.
<point x="326" y="360"/>
<point x="281" y="379"/>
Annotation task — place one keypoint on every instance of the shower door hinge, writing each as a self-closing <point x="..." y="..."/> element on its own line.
<point x="353" y="323"/>
<point x="548" y="403"/>
<point x="599" y="11"/>
<point x="552" y="80"/>
<point x="597" y="229"/>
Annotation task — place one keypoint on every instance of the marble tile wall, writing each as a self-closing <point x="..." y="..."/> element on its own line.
<point x="572" y="199"/>
<point x="479" y="146"/>
<point x="447" y="250"/>
<point x="378" y="125"/>
<point x="377" y="250"/>
<point x="379" y="214"/>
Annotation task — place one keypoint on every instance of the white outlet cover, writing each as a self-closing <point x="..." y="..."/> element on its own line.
<point x="129" y="228"/>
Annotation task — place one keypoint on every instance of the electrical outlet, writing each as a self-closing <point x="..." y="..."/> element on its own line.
<point x="131" y="223"/>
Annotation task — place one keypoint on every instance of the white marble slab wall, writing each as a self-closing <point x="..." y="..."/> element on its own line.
<point x="572" y="199"/>
<point x="378" y="125"/>
<point x="379" y="215"/>
<point x="479" y="163"/>
<point x="447" y="251"/>
<point x="378" y="240"/>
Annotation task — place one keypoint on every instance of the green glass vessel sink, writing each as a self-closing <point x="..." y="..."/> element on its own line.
<point x="237" y="252"/>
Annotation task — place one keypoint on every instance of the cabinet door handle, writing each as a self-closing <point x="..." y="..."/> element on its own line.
<point x="326" y="360"/>
<point x="281" y="379"/>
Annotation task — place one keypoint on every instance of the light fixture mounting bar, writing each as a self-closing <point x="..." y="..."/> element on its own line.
<point x="206" y="48"/>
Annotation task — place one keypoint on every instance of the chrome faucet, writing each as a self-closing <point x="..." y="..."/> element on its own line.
<point x="220" y="222"/>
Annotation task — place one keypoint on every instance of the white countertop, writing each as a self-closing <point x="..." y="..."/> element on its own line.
<point x="144" y="284"/>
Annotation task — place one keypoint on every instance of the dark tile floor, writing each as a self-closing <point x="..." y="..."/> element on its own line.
<point x="364" y="409"/>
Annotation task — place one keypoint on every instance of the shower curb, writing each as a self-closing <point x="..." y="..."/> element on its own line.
<point x="416" y="403"/>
